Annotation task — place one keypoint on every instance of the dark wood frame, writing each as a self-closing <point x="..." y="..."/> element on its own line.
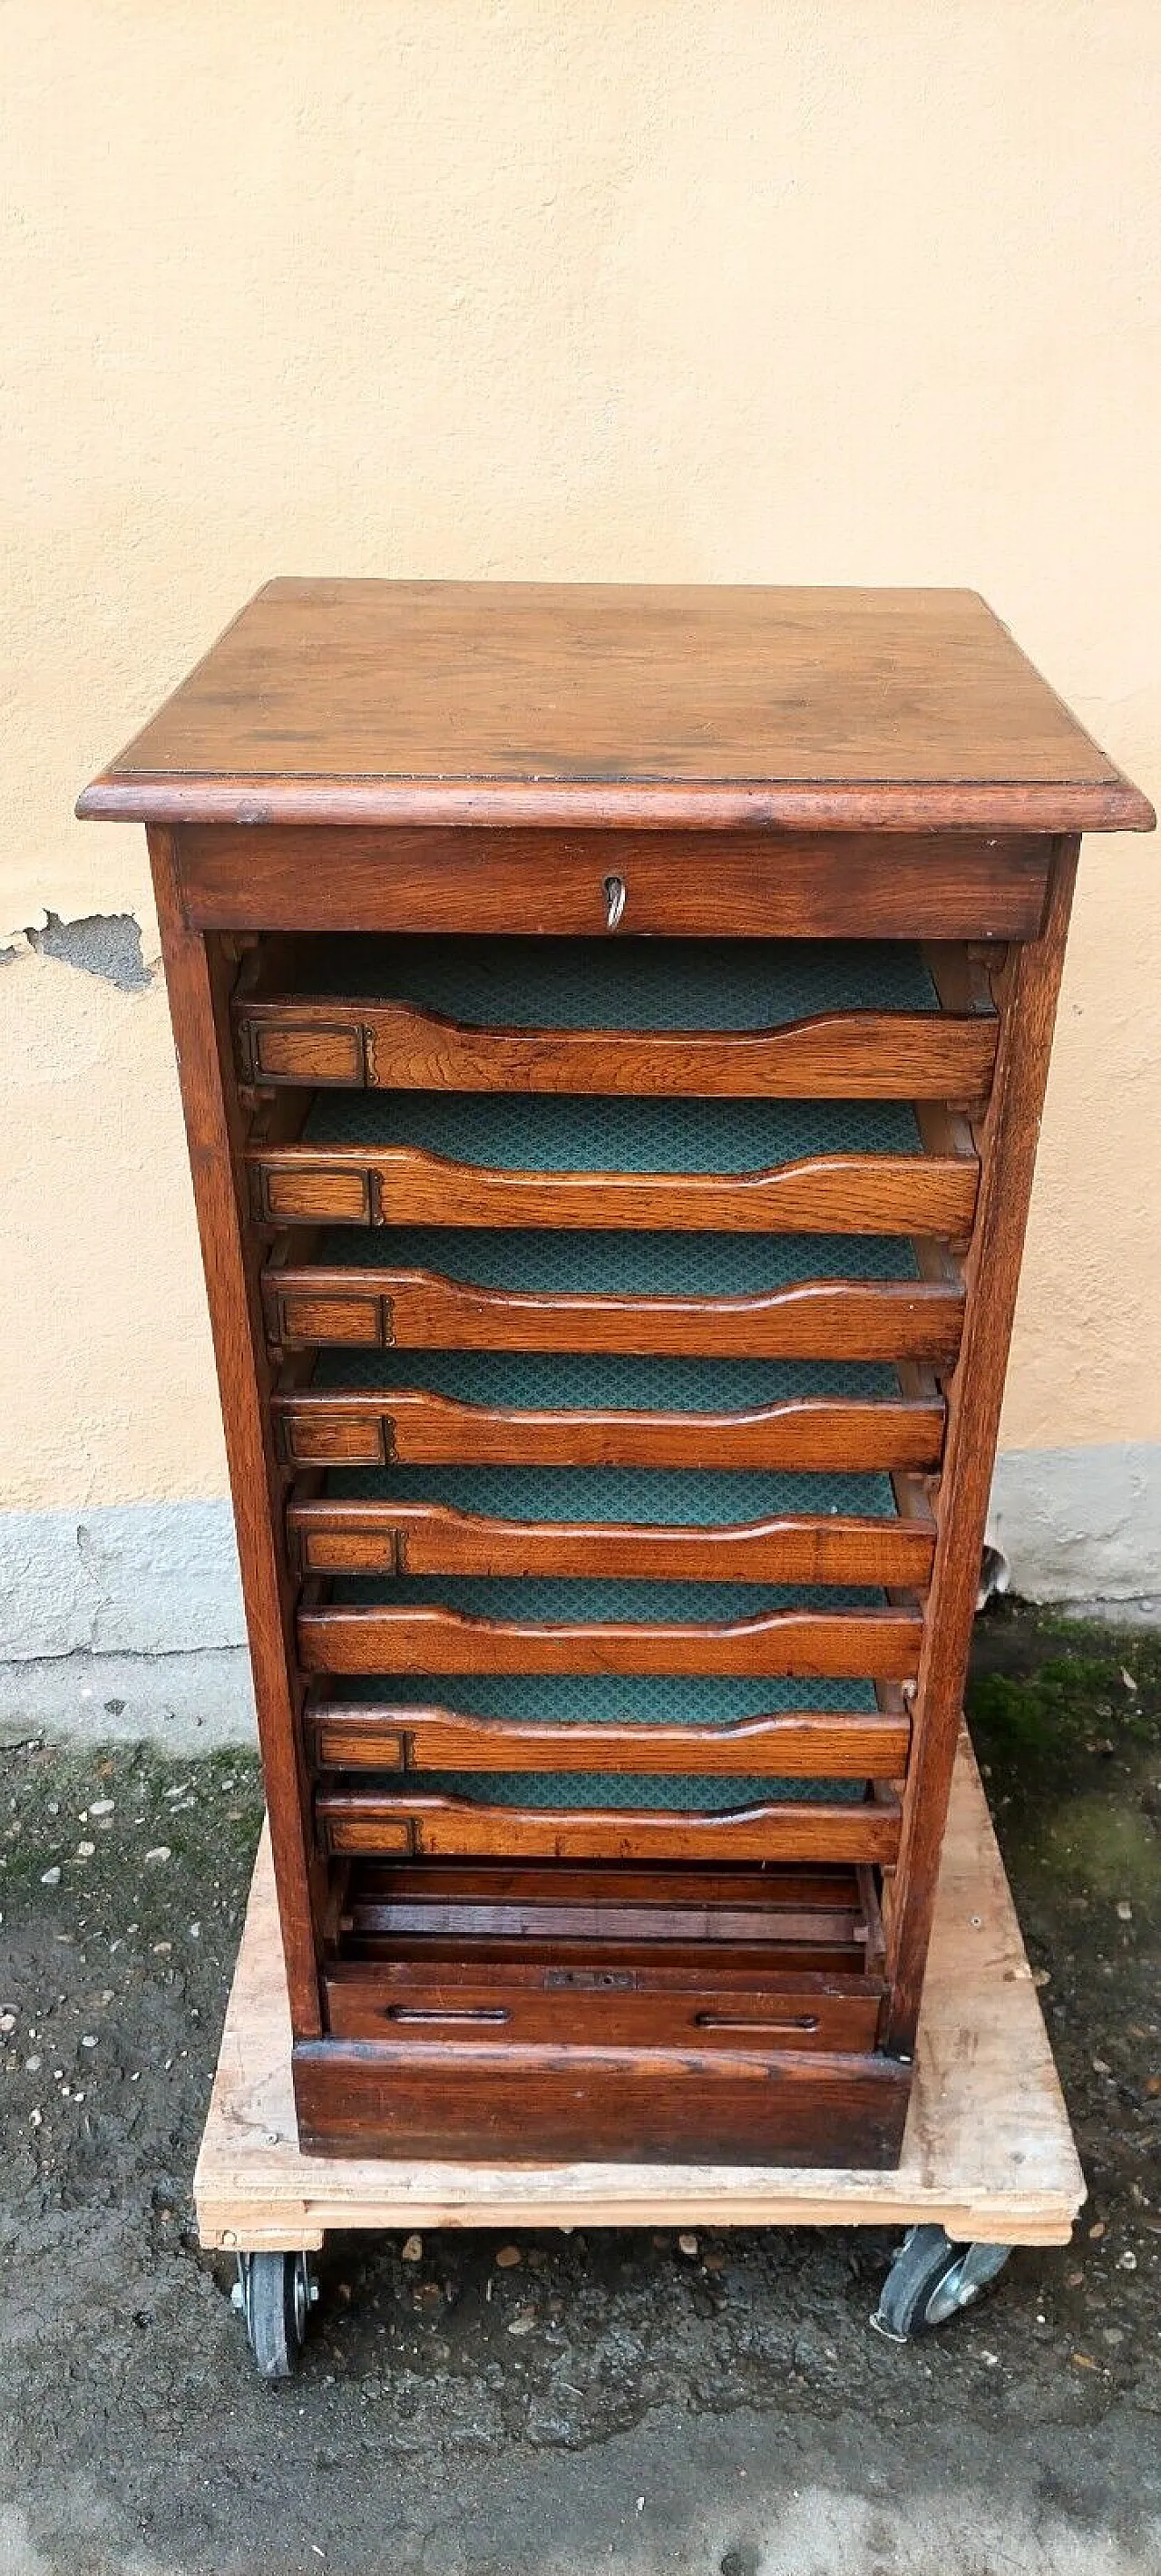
<point x="199" y="968"/>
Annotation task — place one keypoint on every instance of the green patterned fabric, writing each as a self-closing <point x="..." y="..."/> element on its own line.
<point x="677" y="1497"/>
<point x="625" y="983"/>
<point x="670" y="1792"/>
<point x="541" y="1263"/>
<point x="562" y="1381"/>
<point x="571" y="1597"/>
<point x="609" y="1699"/>
<point x="549" y="1132"/>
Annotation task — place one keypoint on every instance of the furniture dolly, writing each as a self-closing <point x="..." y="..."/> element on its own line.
<point x="612" y="1026"/>
<point x="988" y="2160"/>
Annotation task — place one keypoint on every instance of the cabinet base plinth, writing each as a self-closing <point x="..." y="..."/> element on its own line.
<point x="619" y="2105"/>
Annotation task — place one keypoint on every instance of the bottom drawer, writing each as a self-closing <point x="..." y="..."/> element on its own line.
<point x="498" y="2099"/>
<point x="701" y="2015"/>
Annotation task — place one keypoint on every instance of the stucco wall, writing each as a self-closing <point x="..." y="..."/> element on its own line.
<point x="858" y="292"/>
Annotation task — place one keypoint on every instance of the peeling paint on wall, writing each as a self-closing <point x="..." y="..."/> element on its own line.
<point x="103" y="943"/>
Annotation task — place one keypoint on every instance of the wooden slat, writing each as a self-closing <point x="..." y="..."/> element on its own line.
<point x="435" y="1538"/>
<point x="420" y="1310"/>
<point x="799" y="1745"/>
<point x="841" y="1055"/>
<point x="356" y="1821"/>
<point x="428" y="1639"/>
<point x="605" y="1911"/>
<point x="415" y="1427"/>
<point x="820" y="1194"/>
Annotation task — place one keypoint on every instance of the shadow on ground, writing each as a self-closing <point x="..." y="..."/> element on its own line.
<point x="605" y="2402"/>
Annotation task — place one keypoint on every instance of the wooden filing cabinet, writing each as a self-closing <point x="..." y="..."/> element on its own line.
<point x="613" y="1026"/>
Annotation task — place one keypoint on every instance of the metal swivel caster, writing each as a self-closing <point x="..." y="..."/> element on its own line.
<point x="930" y="2280"/>
<point x="275" y="2294"/>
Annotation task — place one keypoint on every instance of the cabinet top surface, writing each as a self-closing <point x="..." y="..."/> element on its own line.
<point x="494" y="702"/>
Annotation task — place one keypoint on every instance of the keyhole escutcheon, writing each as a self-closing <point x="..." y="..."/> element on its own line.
<point x="615" y="891"/>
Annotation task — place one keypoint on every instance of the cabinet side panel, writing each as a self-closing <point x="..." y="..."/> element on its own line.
<point x="211" y="1119"/>
<point x="1010" y="1137"/>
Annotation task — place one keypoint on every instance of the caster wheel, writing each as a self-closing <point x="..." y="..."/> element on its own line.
<point x="930" y="2280"/>
<point x="276" y="2298"/>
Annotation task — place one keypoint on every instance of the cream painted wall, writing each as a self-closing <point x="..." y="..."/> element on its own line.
<point x="862" y="291"/>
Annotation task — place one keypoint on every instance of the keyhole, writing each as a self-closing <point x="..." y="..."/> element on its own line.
<point x="615" y="891"/>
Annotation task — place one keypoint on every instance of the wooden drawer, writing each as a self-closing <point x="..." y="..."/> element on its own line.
<point x="375" y="1823"/>
<point x="591" y="1920"/>
<point x="695" y="884"/>
<point x="721" y="1296"/>
<point x="757" y="1018"/>
<point x="411" y="1727"/>
<point x="614" y="2008"/>
<point x="703" y="1526"/>
<point x="747" y="2105"/>
<point x="455" y="1624"/>
<point x="361" y="1409"/>
<point x="817" y="1167"/>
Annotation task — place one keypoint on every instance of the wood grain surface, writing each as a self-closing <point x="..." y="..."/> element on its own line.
<point x="929" y="1194"/>
<point x="413" y="1426"/>
<point x="429" y="1639"/>
<point x="420" y="1310"/>
<point x="679" y="883"/>
<point x="353" y="1821"/>
<point x="802" y="1745"/>
<point x="434" y="1538"/>
<point x="416" y="701"/>
<point x="839" y="1055"/>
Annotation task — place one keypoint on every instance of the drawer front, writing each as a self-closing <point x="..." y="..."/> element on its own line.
<point x="679" y="1165"/>
<point x="621" y="2008"/>
<point x="701" y="885"/>
<point x="860" y="1193"/>
<point x="394" y="1538"/>
<point x="758" y="2105"/>
<point x="870" y="1056"/>
<point x="416" y="1425"/>
<point x="431" y="1637"/>
<point x="393" y="1735"/>
<point x="370" y="1824"/>
<point x="332" y="1306"/>
<point x="757" y="1019"/>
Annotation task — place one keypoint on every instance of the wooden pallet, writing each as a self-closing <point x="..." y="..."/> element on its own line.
<point x="988" y="2150"/>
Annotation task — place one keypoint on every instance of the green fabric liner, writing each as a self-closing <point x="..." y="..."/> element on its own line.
<point x="671" y="1793"/>
<point x="575" y="1597"/>
<point x="646" y="1496"/>
<point x="620" y="1263"/>
<point x="555" y="1381"/>
<point x="549" y="1132"/>
<point x="610" y="1699"/>
<point x="624" y="983"/>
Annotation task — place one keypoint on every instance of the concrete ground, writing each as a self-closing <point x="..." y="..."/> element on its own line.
<point x="617" y="2402"/>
